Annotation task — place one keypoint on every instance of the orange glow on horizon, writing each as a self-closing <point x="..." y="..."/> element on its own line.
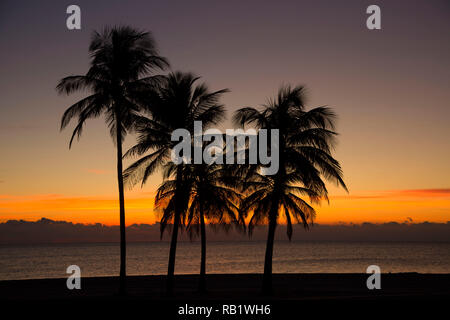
<point x="76" y="209"/>
<point x="431" y="205"/>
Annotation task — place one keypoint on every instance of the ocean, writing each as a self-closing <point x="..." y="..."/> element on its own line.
<point x="102" y="259"/>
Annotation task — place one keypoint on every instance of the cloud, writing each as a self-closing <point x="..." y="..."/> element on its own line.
<point x="387" y="194"/>
<point x="426" y="192"/>
<point x="51" y="231"/>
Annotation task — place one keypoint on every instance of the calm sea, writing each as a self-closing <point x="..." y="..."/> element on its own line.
<point x="51" y="261"/>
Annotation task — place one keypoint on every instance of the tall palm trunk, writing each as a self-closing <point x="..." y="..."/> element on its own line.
<point x="123" y="253"/>
<point x="267" y="277"/>
<point x="174" y="240"/>
<point x="172" y="255"/>
<point x="202" y="283"/>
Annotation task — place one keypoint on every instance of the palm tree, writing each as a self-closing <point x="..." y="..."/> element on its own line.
<point x="306" y="139"/>
<point x="213" y="198"/>
<point x="121" y="61"/>
<point x="178" y="104"/>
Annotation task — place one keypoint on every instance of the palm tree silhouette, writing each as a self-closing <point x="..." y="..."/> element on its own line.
<point x="178" y="104"/>
<point x="212" y="197"/>
<point x="305" y="145"/>
<point x="119" y="74"/>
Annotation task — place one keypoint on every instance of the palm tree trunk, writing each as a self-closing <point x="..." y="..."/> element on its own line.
<point x="122" y="287"/>
<point x="202" y="283"/>
<point x="174" y="240"/>
<point x="267" y="277"/>
<point x="172" y="255"/>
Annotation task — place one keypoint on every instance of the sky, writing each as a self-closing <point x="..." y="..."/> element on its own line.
<point x="389" y="87"/>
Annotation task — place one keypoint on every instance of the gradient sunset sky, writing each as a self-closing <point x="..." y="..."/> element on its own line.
<point x="390" y="88"/>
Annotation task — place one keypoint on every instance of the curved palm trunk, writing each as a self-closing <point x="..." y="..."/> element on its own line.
<point x="122" y="287"/>
<point x="267" y="277"/>
<point x="202" y="282"/>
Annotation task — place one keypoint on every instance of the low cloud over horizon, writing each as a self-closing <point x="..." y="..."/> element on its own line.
<point x="15" y="232"/>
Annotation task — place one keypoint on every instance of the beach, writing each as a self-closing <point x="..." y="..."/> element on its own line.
<point x="237" y="287"/>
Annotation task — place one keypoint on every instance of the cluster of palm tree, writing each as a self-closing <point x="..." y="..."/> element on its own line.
<point x="124" y="88"/>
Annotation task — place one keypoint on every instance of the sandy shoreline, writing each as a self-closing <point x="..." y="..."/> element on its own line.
<point x="237" y="287"/>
